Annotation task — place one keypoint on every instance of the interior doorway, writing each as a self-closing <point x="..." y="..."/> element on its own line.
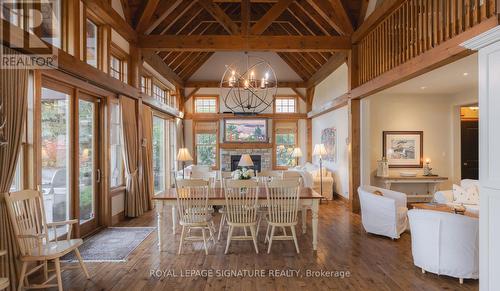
<point x="469" y="139"/>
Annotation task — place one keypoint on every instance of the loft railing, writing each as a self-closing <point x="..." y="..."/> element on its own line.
<point x="415" y="27"/>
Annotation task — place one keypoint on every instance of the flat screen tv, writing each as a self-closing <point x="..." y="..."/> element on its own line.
<point x="245" y="130"/>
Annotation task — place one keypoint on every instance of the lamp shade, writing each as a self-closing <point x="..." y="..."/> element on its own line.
<point x="245" y="161"/>
<point x="184" y="155"/>
<point x="319" y="150"/>
<point x="297" y="153"/>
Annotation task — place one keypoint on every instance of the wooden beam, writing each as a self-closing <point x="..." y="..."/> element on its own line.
<point x="126" y="11"/>
<point x="245" y="43"/>
<point x="216" y="84"/>
<point x="375" y="18"/>
<point x="309" y="96"/>
<point x="343" y="16"/>
<point x="106" y="13"/>
<point x="329" y="67"/>
<point x="302" y="96"/>
<point x="445" y="53"/>
<point x="245" y="16"/>
<point x="362" y="12"/>
<point x="326" y="10"/>
<point x="354" y="153"/>
<point x="329" y="106"/>
<point x="146" y="15"/>
<point x="220" y="16"/>
<point x="157" y="63"/>
<point x="220" y="116"/>
<point x="162" y="12"/>
<point x="270" y="16"/>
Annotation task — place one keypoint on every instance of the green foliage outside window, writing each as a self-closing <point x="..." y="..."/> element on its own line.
<point x="206" y="147"/>
<point x="285" y="142"/>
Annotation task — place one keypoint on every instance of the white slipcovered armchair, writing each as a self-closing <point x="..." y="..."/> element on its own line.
<point x="383" y="215"/>
<point x="445" y="243"/>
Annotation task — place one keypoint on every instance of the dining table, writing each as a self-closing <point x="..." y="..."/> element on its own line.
<point x="308" y="198"/>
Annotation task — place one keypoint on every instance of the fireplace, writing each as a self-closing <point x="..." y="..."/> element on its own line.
<point x="256" y="159"/>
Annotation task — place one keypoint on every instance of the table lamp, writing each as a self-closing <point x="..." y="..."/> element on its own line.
<point x="297" y="153"/>
<point x="320" y="150"/>
<point x="245" y="161"/>
<point x="183" y="155"/>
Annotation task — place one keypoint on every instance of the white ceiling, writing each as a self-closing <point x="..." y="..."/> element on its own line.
<point x="446" y="80"/>
<point x="214" y="67"/>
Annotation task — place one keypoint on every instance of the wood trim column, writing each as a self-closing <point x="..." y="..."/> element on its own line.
<point x="309" y="100"/>
<point x="354" y="153"/>
<point x="135" y="67"/>
<point x="354" y="106"/>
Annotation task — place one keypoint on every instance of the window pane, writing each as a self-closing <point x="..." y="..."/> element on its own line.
<point x="91" y="43"/>
<point x="115" y="68"/>
<point x="51" y="22"/>
<point x="16" y="183"/>
<point x="285" y="143"/>
<point x="86" y="135"/>
<point x="285" y="105"/>
<point x="206" y="105"/>
<point x="159" y="154"/>
<point x="206" y="149"/>
<point x="55" y="124"/>
<point x="116" y="147"/>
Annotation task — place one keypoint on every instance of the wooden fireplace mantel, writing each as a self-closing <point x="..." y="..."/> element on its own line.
<point x="247" y="145"/>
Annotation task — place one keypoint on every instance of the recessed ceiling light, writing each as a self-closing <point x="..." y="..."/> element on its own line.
<point x="466" y="74"/>
<point x="423" y="87"/>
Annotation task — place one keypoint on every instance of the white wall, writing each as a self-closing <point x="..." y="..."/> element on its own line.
<point x="332" y="87"/>
<point x="436" y="115"/>
<point x="335" y="85"/>
<point x="340" y="120"/>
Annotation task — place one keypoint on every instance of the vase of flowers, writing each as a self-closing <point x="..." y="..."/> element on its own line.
<point x="243" y="174"/>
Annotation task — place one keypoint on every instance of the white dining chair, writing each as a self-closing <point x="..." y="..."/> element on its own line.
<point x="241" y="209"/>
<point x="31" y="230"/>
<point x="194" y="211"/>
<point x="283" y="207"/>
<point x="4" y="282"/>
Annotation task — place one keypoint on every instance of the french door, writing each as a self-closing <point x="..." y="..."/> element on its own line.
<point x="89" y="173"/>
<point x="69" y="155"/>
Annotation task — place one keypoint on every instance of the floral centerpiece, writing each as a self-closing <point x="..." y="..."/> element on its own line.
<point x="243" y="174"/>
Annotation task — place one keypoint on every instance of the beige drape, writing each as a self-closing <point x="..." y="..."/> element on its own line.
<point x="179" y="131"/>
<point x="134" y="204"/>
<point x="13" y="93"/>
<point x="147" y="156"/>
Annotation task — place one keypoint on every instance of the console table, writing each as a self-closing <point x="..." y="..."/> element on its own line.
<point x="431" y="181"/>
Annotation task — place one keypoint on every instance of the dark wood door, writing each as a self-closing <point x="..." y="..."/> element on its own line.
<point x="470" y="149"/>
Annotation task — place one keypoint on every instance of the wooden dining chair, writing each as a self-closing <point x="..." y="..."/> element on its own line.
<point x="283" y="207"/>
<point x="241" y="209"/>
<point x="31" y="229"/>
<point x="194" y="211"/>
<point x="4" y="282"/>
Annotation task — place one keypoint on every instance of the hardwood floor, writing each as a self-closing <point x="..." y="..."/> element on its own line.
<point x="374" y="263"/>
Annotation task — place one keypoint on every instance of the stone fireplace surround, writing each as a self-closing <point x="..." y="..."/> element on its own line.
<point x="225" y="157"/>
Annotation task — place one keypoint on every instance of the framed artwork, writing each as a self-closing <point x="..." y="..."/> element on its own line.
<point x="329" y="139"/>
<point x="404" y="149"/>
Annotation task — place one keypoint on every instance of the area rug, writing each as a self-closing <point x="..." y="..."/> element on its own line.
<point x="113" y="244"/>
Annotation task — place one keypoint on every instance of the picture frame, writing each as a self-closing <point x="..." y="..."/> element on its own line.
<point x="329" y="140"/>
<point x="403" y="149"/>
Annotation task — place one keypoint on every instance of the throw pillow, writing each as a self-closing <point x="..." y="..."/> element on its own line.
<point x="459" y="194"/>
<point x="466" y="195"/>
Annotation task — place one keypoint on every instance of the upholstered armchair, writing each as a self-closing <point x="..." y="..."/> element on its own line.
<point x="445" y="243"/>
<point x="383" y="214"/>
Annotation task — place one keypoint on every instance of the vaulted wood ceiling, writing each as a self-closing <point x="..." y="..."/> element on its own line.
<point x="247" y="18"/>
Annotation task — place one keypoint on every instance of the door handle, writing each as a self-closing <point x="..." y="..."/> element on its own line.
<point x="98" y="180"/>
<point x="465" y="164"/>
